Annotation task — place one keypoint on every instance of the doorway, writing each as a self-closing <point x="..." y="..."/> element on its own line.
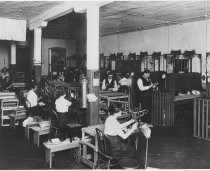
<point x="23" y="61"/>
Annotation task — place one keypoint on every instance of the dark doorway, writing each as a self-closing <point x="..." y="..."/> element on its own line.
<point x="23" y="61"/>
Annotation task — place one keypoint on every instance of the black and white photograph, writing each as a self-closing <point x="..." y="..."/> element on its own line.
<point x="104" y="85"/>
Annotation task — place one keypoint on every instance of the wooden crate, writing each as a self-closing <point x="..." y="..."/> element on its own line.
<point x="89" y="145"/>
<point x="5" y="121"/>
<point x="7" y="112"/>
<point x="9" y="103"/>
<point x="163" y="108"/>
<point x="201" y="124"/>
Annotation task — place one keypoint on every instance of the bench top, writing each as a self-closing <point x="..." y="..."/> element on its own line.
<point x="61" y="146"/>
<point x="38" y="129"/>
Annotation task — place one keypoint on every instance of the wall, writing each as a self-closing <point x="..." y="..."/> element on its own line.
<point x="70" y="46"/>
<point x="12" y="29"/>
<point x="81" y="47"/>
<point x="4" y="54"/>
<point x="187" y="36"/>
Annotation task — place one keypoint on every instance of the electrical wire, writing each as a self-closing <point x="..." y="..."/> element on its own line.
<point x="188" y="43"/>
<point x="143" y="40"/>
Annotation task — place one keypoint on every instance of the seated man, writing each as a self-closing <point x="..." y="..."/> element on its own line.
<point x="109" y="84"/>
<point x="34" y="106"/>
<point x="7" y="84"/>
<point x="62" y="107"/>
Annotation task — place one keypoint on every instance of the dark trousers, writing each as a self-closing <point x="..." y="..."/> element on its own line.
<point x="146" y="103"/>
<point x="63" y="119"/>
<point x="40" y="111"/>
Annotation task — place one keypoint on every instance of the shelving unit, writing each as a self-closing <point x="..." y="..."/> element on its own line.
<point x="8" y="107"/>
<point x="89" y="145"/>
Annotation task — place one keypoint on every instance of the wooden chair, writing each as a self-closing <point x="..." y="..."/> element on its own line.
<point x="55" y="130"/>
<point x="105" y="154"/>
<point x="27" y="106"/>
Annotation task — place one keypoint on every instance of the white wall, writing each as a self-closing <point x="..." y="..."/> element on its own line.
<point x="11" y="29"/>
<point x="70" y="46"/>
<point x="187" y="36"/>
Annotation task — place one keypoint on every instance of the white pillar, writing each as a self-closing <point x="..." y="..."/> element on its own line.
<point x="92" y="15"/>
<point x="13" y="53"/>
<point x="37" y="46"/>
<point x="93" y="38"/>
<point x="37" y="54"/>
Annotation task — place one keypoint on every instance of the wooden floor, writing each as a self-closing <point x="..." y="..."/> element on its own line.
<point x="169" y="148"/>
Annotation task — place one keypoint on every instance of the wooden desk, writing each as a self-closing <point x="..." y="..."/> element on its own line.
<point x="92" y="143"/>
<point x="37" y="132"/>
<point x="14" y="118"/>
<point x="50" y="149"/>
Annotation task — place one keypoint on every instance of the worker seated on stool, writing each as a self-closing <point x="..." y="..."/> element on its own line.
<point x="109" y="84"/>
<point x="62" y="107"/>
<point x="7" y="84"/>
<point x="114" y="130"/>
<point x="35" y="107"/>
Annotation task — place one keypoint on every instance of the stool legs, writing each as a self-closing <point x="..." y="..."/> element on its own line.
<point x="48" y="157"/>
<point x="36" y="138"/>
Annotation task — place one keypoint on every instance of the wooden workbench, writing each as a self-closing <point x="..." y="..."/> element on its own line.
<point x="52" y="148"/>
<point x="91" y="143"/>
<point x="37" y="132"/>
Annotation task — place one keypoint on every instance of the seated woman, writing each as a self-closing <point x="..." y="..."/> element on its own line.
<point x="4" y="73"/>
<point x="33" y="103"/>
<point x="114" y="130"/>
<point x="62" y="107"/>
<point x="7" y="84"/>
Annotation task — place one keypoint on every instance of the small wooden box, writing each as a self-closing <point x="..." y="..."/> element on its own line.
<point x="5" y="121"/>
<point x="20" y="111"/>
<point x="7" y="112"/>
<point x="9" y="103"/>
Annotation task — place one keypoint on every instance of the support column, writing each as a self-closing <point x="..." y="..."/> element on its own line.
<point x="13" y="56"/>
<point x="37" y="54"/>
<point x="93" y="62"/>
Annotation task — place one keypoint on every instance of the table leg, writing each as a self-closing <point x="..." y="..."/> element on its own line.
<point x="38" y="140"/>
<point x="28" y="132"/>
<point x="35" y="138"/>
<point x="25" y="133"/>
<point x="11" y="122"/>
<point x="95" y="159"/>
<point x="136" y="142"/>
<point x="48" y="157"/>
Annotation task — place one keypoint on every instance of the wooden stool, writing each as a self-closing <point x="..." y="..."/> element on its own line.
<point x="37" y="131"/>
<point x="28" y="127"/>
<point x="50" y="149"/>
<point x="73" y="129"/>
<point x="14" y="118"/>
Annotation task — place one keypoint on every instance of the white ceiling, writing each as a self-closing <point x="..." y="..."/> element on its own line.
<point x="120" y="16"/>
<point x="25" y="10"/>
<point x="132" y="15"/>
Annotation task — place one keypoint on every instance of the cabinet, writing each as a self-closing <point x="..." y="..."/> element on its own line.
<point x="8" y="107"/>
